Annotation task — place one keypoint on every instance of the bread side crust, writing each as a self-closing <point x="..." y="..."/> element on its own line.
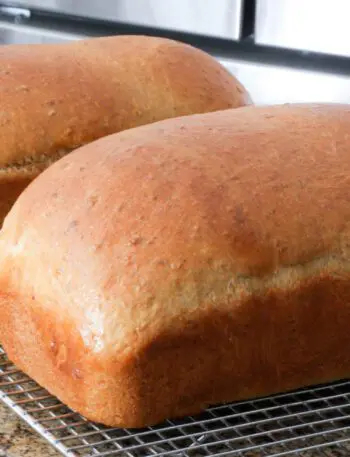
<point x="268" y="344"/>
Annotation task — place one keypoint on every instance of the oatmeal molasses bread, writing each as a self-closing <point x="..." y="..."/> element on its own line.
<point x="55" y="98"/>
<point x="194" y="261"/>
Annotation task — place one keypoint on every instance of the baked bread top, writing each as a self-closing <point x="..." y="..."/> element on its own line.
<point x="55" y="98"/>
<point x="140" y="232"/>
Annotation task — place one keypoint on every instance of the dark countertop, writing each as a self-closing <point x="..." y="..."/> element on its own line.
<point x="18" y="440"/>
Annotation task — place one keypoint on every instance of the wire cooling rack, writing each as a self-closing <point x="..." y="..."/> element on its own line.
<point x="309" y="423"/>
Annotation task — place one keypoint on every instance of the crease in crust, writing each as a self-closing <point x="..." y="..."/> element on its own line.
<point x="223" y="285"/>
<point x="288" y="277"/>
<point x="31" y="163"/>
<point x="222" y="290"/>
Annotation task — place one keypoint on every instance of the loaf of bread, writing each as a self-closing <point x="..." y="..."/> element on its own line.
<point x="194" y="261"/>
<point x="55" y="98"/>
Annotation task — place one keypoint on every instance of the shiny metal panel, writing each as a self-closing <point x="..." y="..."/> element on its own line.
<point x="309" y="25"/>
<point x="19" y="34"/>
<point x="219" y="18"/>
<point x="269" y="84"/>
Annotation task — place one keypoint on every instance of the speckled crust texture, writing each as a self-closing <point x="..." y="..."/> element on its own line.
<point x="55" y="98"/>
<point x="197" y="260"/>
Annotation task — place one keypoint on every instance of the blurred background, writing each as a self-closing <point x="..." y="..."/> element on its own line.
<point x="281" y="50"/>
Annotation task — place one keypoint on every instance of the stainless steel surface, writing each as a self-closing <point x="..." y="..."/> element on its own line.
<point x="20" y="34"/>
<point x="14" y="12"/>
<point x="269" y="84"/>
<point x="219" y="18"/>
<point x="311" y="25"/>
<point x="315" y="420"/>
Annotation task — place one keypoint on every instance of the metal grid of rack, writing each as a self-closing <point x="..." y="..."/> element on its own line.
<point x="309" y="422"/>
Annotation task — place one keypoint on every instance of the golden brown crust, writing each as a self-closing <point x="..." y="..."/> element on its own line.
<point x="201" y="259"/>
<point x="59" y="97"/>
